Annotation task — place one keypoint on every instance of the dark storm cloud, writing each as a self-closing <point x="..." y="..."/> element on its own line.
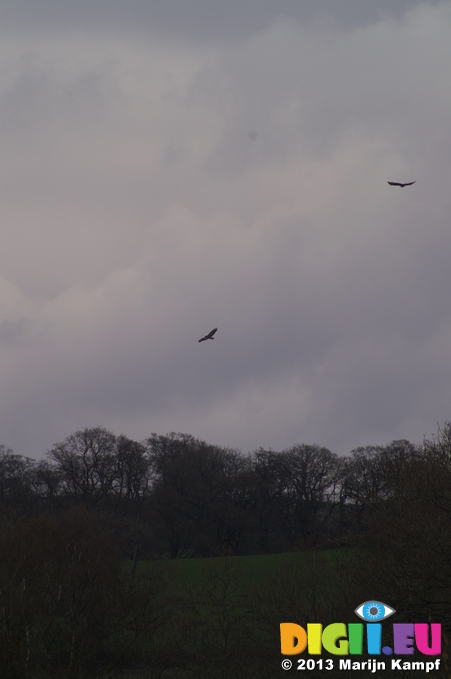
<point x="154" y="189"/>
<point x="200" y="20"/>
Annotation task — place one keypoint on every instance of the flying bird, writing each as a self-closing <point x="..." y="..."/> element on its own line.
<point x="401" y="185"/>
<point x="209" y="336"/>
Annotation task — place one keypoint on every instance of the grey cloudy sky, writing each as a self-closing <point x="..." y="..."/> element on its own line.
<point x="172" y="166"/>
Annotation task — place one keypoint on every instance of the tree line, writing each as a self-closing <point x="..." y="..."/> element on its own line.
<point x="75" y="601"/>
<point x="176" y="496"/>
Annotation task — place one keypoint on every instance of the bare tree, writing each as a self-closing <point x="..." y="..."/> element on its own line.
<point x="67" y="605"/>
<point x="16" y="474"/>
<point x="410" y="525"/>
<point x="133" y="470"/>
<point x="86" y="461"/>
<point x="312" y="473"/>
<point x="192" y="482"/>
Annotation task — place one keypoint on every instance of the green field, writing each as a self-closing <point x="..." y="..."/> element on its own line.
<point x="257" y="569"/>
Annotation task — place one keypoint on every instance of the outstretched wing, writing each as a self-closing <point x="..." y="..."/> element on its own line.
<point x="402" y="185"/>
<point x="209" y="336"/>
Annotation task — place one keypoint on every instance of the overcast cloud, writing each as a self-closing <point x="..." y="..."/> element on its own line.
<point x="170" y="167"/>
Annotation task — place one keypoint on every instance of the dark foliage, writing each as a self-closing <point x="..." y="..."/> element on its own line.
<point x="75" y="525"/>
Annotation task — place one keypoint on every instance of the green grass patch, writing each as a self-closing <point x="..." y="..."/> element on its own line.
<point x="255" y="569"/>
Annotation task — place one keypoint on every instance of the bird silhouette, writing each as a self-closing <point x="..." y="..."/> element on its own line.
<point x="401" y="185"/>
<point x="209" y="336"/>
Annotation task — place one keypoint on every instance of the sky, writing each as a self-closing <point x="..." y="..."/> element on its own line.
<point x="173" y="166"/>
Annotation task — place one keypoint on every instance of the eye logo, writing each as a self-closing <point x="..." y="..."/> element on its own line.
<point x="374" y="611"/>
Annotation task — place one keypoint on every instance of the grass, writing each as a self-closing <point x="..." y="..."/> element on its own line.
<point x="224" y="612"/>
<point x="255" y="569"/>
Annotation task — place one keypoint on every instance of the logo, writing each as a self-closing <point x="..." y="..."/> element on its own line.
<point x="374" y="611"/>
<point x="341" y="639"/>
